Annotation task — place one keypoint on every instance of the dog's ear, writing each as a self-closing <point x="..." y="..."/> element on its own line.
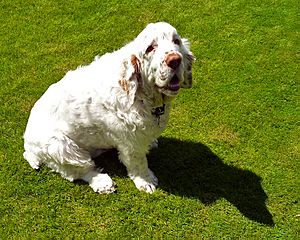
<point x="130" y="78"/>
<point x="188" y="59"/>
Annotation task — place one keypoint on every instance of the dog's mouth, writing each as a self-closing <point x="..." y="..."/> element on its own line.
<point x="172" y="88"/>
<point x="174" y="84"/>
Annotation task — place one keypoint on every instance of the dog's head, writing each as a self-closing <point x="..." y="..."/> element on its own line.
<point x="161" y="60"/>
<point x="166" y="61"/>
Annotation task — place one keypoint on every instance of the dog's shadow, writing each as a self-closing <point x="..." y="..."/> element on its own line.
<point x="191" y="169"/>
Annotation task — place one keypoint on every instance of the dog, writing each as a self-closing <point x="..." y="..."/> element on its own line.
<point x="121" y="100"/>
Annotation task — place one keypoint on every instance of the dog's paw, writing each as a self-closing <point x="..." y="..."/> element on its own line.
<point x="144" y="185"/>
<point x="147" y="185"/>
<point x="102" y="183"/>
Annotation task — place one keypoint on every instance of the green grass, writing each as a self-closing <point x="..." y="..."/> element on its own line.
<point x="228" y="163"/>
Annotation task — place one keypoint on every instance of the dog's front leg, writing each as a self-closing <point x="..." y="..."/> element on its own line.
<point x="137" y="169"/>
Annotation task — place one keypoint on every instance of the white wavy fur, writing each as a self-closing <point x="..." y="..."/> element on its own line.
<point x="110" y="104"/>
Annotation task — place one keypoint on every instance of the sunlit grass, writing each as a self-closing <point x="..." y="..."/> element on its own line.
<point x="228" y="163"/>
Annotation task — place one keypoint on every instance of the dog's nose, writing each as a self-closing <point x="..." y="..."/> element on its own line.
<point x="173" y="60"/>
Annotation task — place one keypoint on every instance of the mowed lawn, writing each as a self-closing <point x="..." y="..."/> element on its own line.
<point x="228" y="163"/>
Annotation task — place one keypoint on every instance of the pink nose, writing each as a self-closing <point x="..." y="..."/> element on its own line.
<point x="173" y="60"/>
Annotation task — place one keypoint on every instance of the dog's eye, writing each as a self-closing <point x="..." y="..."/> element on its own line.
<point x="151" y="48"/>
<point x="176" y="41"/>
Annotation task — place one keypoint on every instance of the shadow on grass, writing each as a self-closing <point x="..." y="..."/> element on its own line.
<point x="191" y="169"/>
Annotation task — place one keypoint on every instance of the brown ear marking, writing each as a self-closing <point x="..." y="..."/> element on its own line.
<point x="123" y="82"/>
<point x="124" y="85"/>
<point x="136" y="64"/>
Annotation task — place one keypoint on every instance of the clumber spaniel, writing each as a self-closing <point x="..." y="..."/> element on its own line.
<point x="121" y="100"/>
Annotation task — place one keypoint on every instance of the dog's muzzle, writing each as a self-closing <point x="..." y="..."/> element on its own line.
<point x="170" y="83"/>
<point x="173" y="60"/>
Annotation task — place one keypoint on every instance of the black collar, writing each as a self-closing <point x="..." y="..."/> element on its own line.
<point x="157" y="112"/>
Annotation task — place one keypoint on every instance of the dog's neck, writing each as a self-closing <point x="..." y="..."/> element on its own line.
<point x="153" y="98"/>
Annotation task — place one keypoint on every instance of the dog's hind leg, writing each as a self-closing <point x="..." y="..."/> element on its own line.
<point x="74" y="162"/>
<point x="99" y="182"/>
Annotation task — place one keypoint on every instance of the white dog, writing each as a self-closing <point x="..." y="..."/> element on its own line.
<point x="121" y="100"/>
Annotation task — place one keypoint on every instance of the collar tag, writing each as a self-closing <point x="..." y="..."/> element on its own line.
<point x="157" y="112"/>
